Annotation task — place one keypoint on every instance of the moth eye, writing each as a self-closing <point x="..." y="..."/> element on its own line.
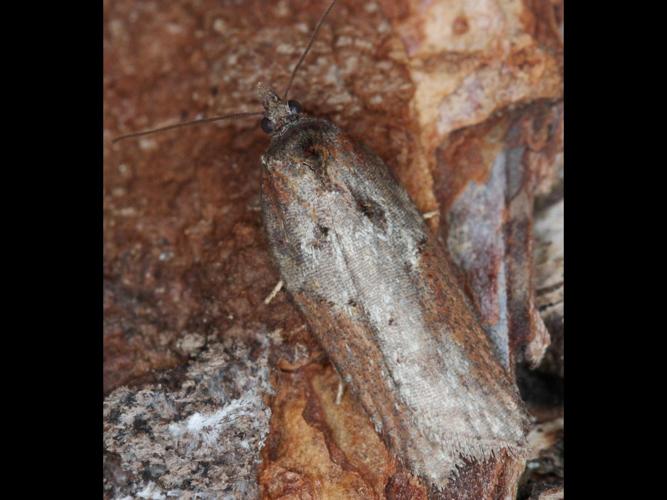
<point x="294" y="107"/>
<point x="267" y="125"/>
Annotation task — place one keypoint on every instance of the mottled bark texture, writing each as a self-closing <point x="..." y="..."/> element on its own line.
<point x="452" y="95"/>
<point x="174" y="439"/>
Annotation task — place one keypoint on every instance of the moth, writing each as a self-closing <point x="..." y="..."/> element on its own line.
<point x="379" y="295"/>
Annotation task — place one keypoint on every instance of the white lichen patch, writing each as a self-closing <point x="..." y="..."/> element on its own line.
<point x="200" y="440"/>
<point x="205" y="428"/>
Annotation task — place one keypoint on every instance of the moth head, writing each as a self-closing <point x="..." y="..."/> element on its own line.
<point x="277" y="112"/>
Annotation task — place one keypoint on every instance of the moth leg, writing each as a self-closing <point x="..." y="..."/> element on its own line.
<point x="339" y="392"/>
<point x="274" y="292"/>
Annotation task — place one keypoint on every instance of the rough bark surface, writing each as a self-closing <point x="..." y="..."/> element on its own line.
<point x="462" y="100"/>
<point x="173" y="439"/>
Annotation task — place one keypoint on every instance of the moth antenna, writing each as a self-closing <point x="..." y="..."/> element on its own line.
<point x="186" y="124"/>
<point x="310" y="44"/>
